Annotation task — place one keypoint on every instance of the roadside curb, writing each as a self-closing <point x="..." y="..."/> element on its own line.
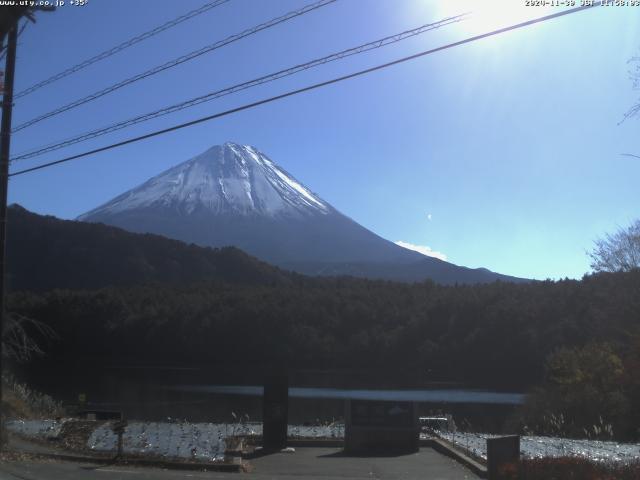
<point x="445" y="448"/>
<point x="256" y="440"/>
<point x="239" y="463"/>
<point x="329" y="443"/>
<point x="236" y="466"/>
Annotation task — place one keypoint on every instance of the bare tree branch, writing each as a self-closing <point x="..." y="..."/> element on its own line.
<point x="634" y="75"/>
<point x="17" y="337"/>
<point x="619" y="251"/>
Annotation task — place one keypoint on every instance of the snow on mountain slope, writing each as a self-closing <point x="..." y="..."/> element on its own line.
<point x="235" y="195"/>
<point x="225" y="179"/>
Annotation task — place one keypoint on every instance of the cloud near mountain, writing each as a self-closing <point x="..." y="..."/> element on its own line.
<point x="423" y="249"/>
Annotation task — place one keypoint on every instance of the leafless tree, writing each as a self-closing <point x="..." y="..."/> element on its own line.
<point x="18" y="336"/>
<point x="634" y="74"/>
<point x="619" y="251"/>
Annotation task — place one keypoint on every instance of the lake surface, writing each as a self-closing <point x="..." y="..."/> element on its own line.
<point x="425" y="396"/>
<point x="206" y="395"/>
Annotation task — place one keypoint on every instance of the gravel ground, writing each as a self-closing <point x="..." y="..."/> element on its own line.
<point x="206" y="441"/>
<point x="167" y="440"/>
<point x="40" y="429"/>
<point x="540" y="447"/>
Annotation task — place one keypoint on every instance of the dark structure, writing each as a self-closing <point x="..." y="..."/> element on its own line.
<point x="275" y="409"/>
<point x="10" y="15"/>
<point x="381" y="427"/>
<point x="501" y="451"/>
<point x="100" y="415"/>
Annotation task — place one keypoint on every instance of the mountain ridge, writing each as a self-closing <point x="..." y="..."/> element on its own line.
<point x="45" y="252"/>
<point x="234" y="194"/>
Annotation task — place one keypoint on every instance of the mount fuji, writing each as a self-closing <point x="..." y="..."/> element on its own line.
<point x="235" y="195"/>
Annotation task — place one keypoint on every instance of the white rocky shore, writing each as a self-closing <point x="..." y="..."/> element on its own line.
<point x="541" y="447"/>
<point x="206" y="441"/>
<point x="194" y="441"/>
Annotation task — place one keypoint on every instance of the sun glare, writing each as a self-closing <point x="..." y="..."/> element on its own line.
<point x="487" y="15"/>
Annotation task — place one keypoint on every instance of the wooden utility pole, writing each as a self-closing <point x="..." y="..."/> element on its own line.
<point x="9" y="18"/>
<point x="5" y="145"/>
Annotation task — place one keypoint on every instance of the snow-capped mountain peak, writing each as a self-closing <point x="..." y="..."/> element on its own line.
<point x="229" y="178"/>
<point x="235" y="195"/>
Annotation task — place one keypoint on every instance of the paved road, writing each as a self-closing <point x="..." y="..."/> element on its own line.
<point x="305" y="463"/>
<point x="331" y="462"/>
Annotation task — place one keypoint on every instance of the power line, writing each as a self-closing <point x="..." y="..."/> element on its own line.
<point x="124" y="45"/>
<point x="239" y="87"/>
<point x="177" y="61"/>
<point x="305" y="89"/>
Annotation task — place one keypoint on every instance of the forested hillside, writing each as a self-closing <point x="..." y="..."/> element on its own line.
<point x="45" y="253"/>
<point x="499" y="334"/>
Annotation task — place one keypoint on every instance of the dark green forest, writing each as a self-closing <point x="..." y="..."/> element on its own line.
<point x="497" y="334"/>
<point x="573" y="343"/>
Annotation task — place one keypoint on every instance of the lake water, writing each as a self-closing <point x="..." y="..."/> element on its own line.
<point x="201" y="394"/>
<point x="424" y="396"/>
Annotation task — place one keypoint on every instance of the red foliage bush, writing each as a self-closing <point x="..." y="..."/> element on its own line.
<point x="570" y="468"/>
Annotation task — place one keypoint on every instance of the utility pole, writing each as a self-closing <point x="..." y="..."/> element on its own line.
<point x="5" y="146"/>
<point x="9" y="18"/>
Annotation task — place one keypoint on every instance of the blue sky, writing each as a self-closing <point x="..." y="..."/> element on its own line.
<point x="504" y="153"/>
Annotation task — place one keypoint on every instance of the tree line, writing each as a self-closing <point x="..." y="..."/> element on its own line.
<point x="494" y="334"/>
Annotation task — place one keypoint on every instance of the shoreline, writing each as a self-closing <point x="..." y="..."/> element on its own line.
<point x="206" y="442"/>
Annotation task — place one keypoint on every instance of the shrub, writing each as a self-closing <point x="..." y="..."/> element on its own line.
<point x="570" y="468"/>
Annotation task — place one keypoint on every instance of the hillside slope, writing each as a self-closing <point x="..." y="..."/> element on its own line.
<point x="44" y="252"/>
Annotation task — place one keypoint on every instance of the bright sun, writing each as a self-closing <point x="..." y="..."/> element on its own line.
<point x="486" y="15"/>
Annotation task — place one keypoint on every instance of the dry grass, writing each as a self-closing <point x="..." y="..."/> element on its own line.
<point x="74" y="435"/>
<point x="20" y="401"/>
